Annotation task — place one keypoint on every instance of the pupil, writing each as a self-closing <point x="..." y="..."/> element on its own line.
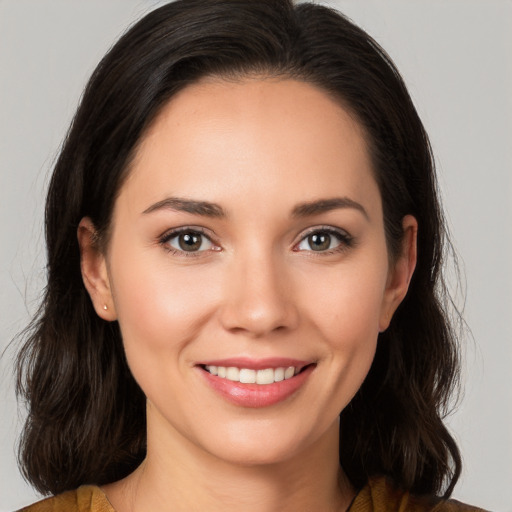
<point x="320" y="242"/>
<point x="190" y="242"/>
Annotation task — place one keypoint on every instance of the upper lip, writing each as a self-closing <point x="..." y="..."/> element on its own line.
<point x="256" y="364"/>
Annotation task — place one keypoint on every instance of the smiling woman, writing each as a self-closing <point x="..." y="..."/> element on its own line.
<point x="235" y="304"/>
<point x="243" y="306"/>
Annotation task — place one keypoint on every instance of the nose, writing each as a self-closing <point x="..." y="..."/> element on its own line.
<point x="259" y="297"/>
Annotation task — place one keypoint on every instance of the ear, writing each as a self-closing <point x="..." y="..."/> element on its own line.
<point x="94" y="270"/>
<point x="400" y="273"/>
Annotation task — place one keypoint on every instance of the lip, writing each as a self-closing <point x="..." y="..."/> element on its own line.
<point x="256" y="395"/>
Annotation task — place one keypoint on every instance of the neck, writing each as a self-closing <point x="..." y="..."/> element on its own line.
<point x="181" y="477"/>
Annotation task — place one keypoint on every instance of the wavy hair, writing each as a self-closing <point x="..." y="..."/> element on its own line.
<point x="86" y="414"/>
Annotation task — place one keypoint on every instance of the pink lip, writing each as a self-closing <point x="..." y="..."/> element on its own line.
<point x="255" y="395"/>
<point x="256" y="364"/>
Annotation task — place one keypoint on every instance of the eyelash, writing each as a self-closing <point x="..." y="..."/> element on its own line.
<point x="345" y="240"/>
<point x="169" y="235"/>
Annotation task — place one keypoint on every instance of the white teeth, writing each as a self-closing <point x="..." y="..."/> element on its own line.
<point x="233" y="374"/>
<point x="289" y="372"/>
<point x="249" y="376"/>
<point x="265" y="376"/>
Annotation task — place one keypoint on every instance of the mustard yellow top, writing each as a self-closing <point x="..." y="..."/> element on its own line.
<point x="377" y="496"/>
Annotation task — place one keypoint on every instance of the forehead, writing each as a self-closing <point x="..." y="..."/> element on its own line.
<point x="265" y="139"/>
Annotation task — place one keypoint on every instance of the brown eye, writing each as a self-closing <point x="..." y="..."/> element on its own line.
<point x="319" y="241"/>
<point x="189" y="241"/>
<point x="325" y="240"/>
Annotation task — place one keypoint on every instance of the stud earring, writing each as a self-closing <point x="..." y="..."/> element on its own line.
<point x="105" y="307"/>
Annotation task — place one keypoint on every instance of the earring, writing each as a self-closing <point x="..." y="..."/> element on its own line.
<point x="105" y="307"/>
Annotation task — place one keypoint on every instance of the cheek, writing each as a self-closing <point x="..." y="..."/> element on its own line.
<point x="346" y="302"/>
<point x="345" y="308"/>
<point x="159" y="308"/>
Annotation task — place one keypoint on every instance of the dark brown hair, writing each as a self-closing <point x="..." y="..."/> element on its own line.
<point x="86" y="414"/>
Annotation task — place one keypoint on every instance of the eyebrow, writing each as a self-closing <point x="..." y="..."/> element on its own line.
<point x="208" y="209"/>
<point x="203" y="208"/>
<point x="326" y="205"/>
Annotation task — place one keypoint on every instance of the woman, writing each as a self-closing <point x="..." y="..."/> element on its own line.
<point x="244" y="254"/>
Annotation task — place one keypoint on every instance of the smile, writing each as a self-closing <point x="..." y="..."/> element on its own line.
<point x="255" y="384"/>
<point x="249" y="376"/>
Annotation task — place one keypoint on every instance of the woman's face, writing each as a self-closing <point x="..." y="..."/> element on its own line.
<point x="248" y="268"/>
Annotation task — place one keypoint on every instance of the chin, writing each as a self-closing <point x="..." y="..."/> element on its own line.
<point x="264" y="454"/>
<point x="257" y="444"/>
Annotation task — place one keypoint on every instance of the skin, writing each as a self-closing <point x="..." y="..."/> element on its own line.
<point x="257" y="148"/>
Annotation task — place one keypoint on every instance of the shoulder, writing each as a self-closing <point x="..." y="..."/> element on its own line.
<point x="380" y="495"/>
<point x="87" y="498"/>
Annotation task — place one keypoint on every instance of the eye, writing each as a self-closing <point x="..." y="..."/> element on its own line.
<point x="324" y="240"/>
<point x="187" y="241"/>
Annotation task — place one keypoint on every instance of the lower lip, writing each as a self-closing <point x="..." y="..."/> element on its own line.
<point x="257" y="395"/>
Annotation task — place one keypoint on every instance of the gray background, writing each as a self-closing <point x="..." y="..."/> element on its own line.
<point x="455" y="56"/>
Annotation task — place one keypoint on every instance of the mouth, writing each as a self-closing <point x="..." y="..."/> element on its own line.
<point x="256" y="384"/>
<point x="262" y="377"/>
